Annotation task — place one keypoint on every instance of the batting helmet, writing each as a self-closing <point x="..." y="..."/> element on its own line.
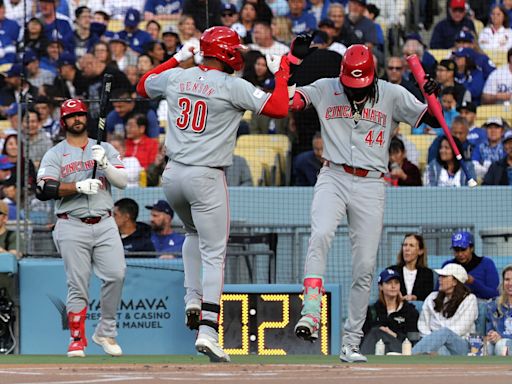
<point x="224" y="44"/>
<point x="357" y="68"/>
<point x="72" y="107"/>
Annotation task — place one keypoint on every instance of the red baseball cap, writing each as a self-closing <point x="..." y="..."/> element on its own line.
<point x="457" y="4"/>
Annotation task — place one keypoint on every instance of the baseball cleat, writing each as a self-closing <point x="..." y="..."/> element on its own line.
<point x="109" y="345"/>
<point x="193" y="315"/>
<point x="307" y="328"/>
<point x="352" y="354"/>
<point x="76" y="348"/>
<point x="211" y="348"/>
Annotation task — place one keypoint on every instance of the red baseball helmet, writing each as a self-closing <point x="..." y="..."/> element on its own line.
<point x="357" y="67"/>
<point x="71" y="107"/>
<point x="224" y="44"/>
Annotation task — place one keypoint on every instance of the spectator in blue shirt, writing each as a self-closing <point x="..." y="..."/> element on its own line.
<point x="483" y="278"/>
<point x="56" y="26"/>
<point x="136" y="37"/>
<point x="162" y="10"/>
<point x="306" y="165"/>
<point x="498" y="324"/>
<point x="490" y="150"/>
<point x="466" y="39"/>
<point x="7" y="26"/>
<point x="443" y="36"/>
<point x="468" y="74"/>
<point x="302" y="21"/>
<point x="476" y="134"/>
<point x="135" y="235"/>
<point x="164" y="239"/>
<point x="500" y="172"/>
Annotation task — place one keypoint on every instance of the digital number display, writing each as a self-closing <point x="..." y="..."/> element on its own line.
<point x="263" y="324"/>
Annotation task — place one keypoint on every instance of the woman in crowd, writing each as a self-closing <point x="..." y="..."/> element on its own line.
<point x="416" y="279"/>
<point x="154" y="28"/>
<point x="468" y="74"/>
<point x="497" y="35"/>
<point x="402" y="172"/>
<point x="101" y="51"/>
<point x="35" y="39"/>
<point x="248" y="15"/>
<point x="10" y="149"/>
<point x="391" y="318"/>
<point x="498" y="324"/>
<point x="448" y="316"/>
<point x="445" y="169"/>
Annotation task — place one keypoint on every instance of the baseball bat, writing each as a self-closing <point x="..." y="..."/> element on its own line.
<point x="436" y="110"/>
<point x="106" y="87"/>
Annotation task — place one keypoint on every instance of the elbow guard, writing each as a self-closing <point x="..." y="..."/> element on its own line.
<point x="47" y="190"/>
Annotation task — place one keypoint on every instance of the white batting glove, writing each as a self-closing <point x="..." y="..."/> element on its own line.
<point x="99" y="155"/>
<point x="273" y="62"/>
<point x="88" y="186"/>
<point x="186" y="52"/>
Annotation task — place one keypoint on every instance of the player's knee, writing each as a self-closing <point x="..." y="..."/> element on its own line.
<point x="116" y="275"/>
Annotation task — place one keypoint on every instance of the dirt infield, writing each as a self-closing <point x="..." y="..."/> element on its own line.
<point x="255" y="373"/>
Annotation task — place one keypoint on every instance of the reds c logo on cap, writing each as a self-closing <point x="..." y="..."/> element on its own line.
<point x="70" y="103"/>
<point x="356" y="73"/>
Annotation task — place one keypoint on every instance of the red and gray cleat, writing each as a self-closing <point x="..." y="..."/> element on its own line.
<point x="307" y="328"/>
<point x="193" y="315"/>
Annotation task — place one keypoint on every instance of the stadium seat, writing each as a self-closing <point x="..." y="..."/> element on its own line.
<point x="280" y="144"/>
<point x="440" y="54"/>
<point x="115" y="25"/>
<point x="4" y="124"/>
<point x="484" y="112"/>
<point x="422" y="143"/>
<point x="404" y="128"/>
<point x="262" y="163"/>
<point x="498" y="57"/>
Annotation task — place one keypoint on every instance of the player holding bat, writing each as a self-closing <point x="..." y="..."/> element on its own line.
<point x="85" y="233"/>
<point x="357" y="113"/>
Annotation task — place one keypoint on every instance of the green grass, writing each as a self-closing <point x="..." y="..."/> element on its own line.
<point x="294" y="359"/>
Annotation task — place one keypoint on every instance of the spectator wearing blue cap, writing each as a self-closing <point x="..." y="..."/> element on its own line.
<point x="497" y="35"/>
<point x="390" y="318"/>
<point x="69" y="81"/>
<point x="414" y="45"/>
<point x="491" y="149"/>
<point x="466" y="39"/>
<point x="169" y="10"/>
<point x="136" y="37"/>
<point x="500" y="172"/>
<point x="443" y="36"/>
<point x="10" y="28"/>
<point x="35" y="74"/>
<point x="165" y="240"/>
<point x="14" y="87"/>
<point x="229" y="18"/>
<point x="56" y="25"/>
<point x="468" y="73"/>
<point x="483" y="279"/>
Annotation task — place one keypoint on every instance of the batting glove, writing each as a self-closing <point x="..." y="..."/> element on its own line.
<point x="186" y="52"/>
<point x="273" y="62"/>
<point x="99" y="155"/>
<point x="300" y="48"/>
<point x="431" y="85"/>
<point x="88" y="186"/>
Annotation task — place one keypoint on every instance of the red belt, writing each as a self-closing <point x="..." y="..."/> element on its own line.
<point x="86" y="220"/>
<point x="360" y="172"/>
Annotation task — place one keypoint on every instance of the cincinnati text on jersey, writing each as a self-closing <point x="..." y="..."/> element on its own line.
<point x="369" y="114"/>
<point x="198" y="88"/>
<point x="76" y="166"/>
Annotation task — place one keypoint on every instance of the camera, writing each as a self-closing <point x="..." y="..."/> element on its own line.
<point x="7" y="319"/>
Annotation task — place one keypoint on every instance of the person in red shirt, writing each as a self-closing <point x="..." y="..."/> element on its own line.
<point x="138" y="144"/>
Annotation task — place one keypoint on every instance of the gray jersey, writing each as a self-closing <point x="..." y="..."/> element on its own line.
<point x="204" y="111"/>
<point x="69" y="164"/>
<point x="363" y="144"/>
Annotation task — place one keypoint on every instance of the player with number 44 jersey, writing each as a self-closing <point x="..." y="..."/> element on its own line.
<point x="357" y="113"/>
<point x="205" y="107"/>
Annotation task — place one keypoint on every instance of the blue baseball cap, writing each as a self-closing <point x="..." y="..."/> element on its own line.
<point x="5" y="164"/>
<point x="14" y="71"/>
<point x="464" y="52"/>
<point x="388" y="274"/>
<point x="117" y="37"/>
<point x="228" y="8"/>
<point x="162" y="206"/>
<point x="132" y="18"/>
<point x="66" y="58"/>
<point x="465" y="36"/>
<point x="506" y="137"/>
<point x="462" y="239"/>
<point x="30" y="56"/>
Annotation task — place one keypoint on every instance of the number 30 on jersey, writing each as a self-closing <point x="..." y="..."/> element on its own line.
<point x="192" y="113"/>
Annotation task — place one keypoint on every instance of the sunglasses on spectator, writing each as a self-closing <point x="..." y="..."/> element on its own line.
<point x="227" y="14"/>
<point x="459" y="249"/>
<point x="395" y="68"/>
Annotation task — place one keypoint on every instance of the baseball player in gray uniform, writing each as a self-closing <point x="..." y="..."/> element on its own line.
<point x="205" y="106"/>
<point x="357" y="112"/>
<point x="85" y="234"/>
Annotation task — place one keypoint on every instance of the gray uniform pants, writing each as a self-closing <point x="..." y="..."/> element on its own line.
<point x="199" y="196"/>
<point x="337" y="194"/>
<point x="92" y="247"/>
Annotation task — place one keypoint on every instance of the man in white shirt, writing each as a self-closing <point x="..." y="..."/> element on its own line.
<point x="264" y="42"/>
<point x="498" y="87"/>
